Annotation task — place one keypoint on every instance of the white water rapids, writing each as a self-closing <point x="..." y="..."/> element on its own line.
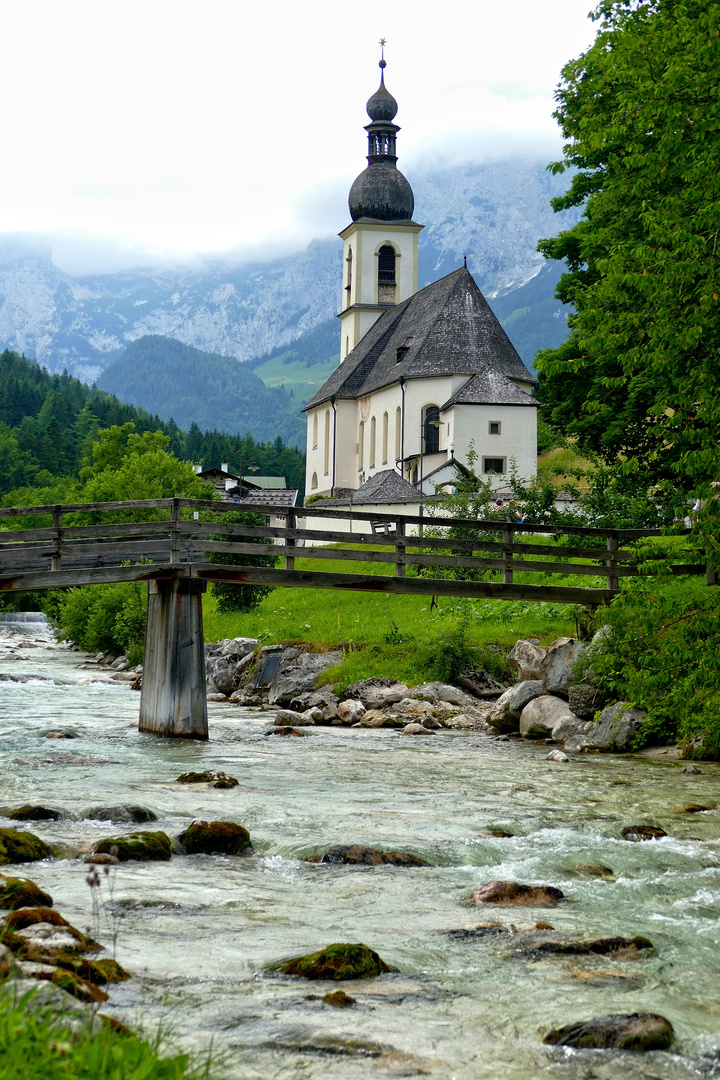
<point x="198" y="932"/>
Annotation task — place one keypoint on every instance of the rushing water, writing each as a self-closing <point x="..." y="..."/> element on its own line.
<point x="198" y="932"/>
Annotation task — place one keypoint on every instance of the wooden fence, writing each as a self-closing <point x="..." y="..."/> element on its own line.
<point x="85" y="543"/>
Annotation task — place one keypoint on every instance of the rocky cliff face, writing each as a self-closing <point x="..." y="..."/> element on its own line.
<point x="494" y="213"/>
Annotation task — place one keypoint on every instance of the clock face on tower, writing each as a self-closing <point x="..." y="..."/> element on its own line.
<point x="386" y="293"/>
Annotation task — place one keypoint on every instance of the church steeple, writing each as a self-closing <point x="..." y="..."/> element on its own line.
<point x="381" y="243"/>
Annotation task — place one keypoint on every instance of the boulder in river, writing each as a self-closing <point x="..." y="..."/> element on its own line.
<point x="285" y="717"/>
<point x="21" y="892"/>
<point x="559" y="664"/>
<point x="527" y="658"/>
<point x="285" y="731"/>
<point x="690" y="808"/>
<point x="637" y="833"/>
<point x="216" y="838"/>
<point x="543" y="715"/>
<point x="339" y="961"/>
<point x="417" y="729"/>
<point x="30" y="812"/>
<point x="210" y="776"/>
<point x="351" y="711"/>
<point x="619" y="1031"/>
<point x="298" y="673"/>
<point x="612" y="732"/>
<point x="437" y="691"/>
<point x="21" y="847"/>
<point x="123" y="812"/>
<point x="611" y="946"/>
<point x="354" y="854"/>
<point x="513" y="892"/>
<point x="377" y="692"/>
<point x="594" y="870"/>
<point x="558" y="755"/>
<point x="137" y="847"/>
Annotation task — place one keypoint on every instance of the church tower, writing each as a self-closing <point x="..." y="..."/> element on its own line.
<point x="380" y="255"/>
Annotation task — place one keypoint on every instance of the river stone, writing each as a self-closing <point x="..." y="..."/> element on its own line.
<point x="416" y="729"/>
<point x="222" y="676"/>
<point x="377" y="692"/>
<point x="28" y="812"/>
<point x="353" y="855"/>
<point x="101" y="860"/>
<point x="123" y="812"/>
<point x="692" y="770"/>
<point x="505" y="714"/>
<point x="611" y="946"/>
<point x="557" y="755"/>
<point x="690" y="808"/>
<point x="21" y="918"/>
<point x="137" y="847"/>
<point x="296" y="675"/>
<point x="210" y="776"/>
<point x="238" y="648"/>
<point x="512" y="892"/>
<point x="324" y="698"/>
<point x="216" y="838"/>
<point x="350" y="711"/>
<point x="21" y="892"/>
<point x="594" y="870"/>
<point x="527" y="659"/>
<point x="287" y="731"/>
<point x="542" y="715"/>
<point x="613" y="731"/>
<point x="21" y="847"/>
<point x="585" y="699"/>
<point x="638" y="833"/>
<point x="437" y="692"/>
<point x="481" y="684"/>
<point x="286" y="717"/>
<point x="338" y="962"/>
<point x="49" y="939"/>
<point x="559" y="664"/>
<point x="619" y="1031"/>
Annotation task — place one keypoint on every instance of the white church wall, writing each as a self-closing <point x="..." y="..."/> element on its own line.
<point x="516" y="439"/>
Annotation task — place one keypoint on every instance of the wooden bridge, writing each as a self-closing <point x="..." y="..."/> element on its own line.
<point x="167" y="543"/>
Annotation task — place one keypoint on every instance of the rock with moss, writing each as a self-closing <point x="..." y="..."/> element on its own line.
<point x="31" y="812"/>
<point x="21" y="892"/>
<point x="619" y="1031"/>
<point x="99" y="972"/>
<point x="216" y="838"/>
<point x="28" y="916"/>
<point x="79" y="988"/>
<point x="337" y="962"/>
<point x="137" y="847"/>
<point x="44" y="940"/>
<point x="135" y="815"/>
<point x="354" y="855"/>
<point x="209" y="776"/>
<point x="513" y="892"/>
<point x="21" y="847"/>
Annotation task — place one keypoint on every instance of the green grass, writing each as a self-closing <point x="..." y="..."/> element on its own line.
<point x="296" y="375"/>
<point x="44" y="1045"/>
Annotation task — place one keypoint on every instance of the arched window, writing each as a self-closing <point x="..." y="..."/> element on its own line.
<point x="314" y="431"/>
<point x="361" y="445"/>
<point x="314" y="482"/>
<point x="385" y="438"/>
<point x="431" y="430"/>
<point x="347" y="345"/>
<point x="372" y="443"/>
<point x="348" y="286"/>
<point x="386" y="275"/>
<point x="326" y="455"/>
<point x="398" y="432"/>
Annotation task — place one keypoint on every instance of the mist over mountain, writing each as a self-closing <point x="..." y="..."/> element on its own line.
<point x="493" y="212"/>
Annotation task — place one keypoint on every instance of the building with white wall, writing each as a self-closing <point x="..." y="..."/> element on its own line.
<point x="425" y="376"/>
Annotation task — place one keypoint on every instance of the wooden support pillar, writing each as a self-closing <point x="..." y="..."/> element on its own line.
<point x="400" y="549"/>
<point x="173" y="701"/>
<point x="507" y="574"/>
<point x="611" y="563"/>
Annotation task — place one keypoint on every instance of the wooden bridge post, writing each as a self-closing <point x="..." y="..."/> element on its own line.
<point x="611" y="563"/>
<point x="173" y="701"/>
<point x="507" y="574"/>
<point x="56" y="557"/>
<point x="400" y="550"/>
<point x="290" y="523"/>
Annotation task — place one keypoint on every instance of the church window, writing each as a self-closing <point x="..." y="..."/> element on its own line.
<point x="372" y="443"/>
<point x="361" y="445"/>
<point x="385" y="438"/>
<point x="326" y="454"/>
<point x="348" y="287"/>
<point x="314" y="481"/>
<point x="494" y="465"/>
<point x="398" y="432"/>
<point x="386" y="275"/>
<point x="347" y="345"/>
<point x="315" y="431"/>
<point x="494" y="427"/>
<point x="431" y="429"/>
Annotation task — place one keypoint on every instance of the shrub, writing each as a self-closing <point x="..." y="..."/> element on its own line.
<point x="230" y="597"/>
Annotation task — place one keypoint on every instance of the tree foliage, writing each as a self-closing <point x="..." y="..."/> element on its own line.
<point x="638" y="377"/>
<point x="231" y="597"/>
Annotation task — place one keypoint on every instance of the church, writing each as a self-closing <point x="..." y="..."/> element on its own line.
<point x="426" y="377"/>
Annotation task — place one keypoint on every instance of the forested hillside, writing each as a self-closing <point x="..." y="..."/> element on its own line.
<point x="48" y="424"/>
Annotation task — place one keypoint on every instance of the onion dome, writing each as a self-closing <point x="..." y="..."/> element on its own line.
<point x="382" y="105"/>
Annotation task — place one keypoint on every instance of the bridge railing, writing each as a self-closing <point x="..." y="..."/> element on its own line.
<point x="79" y="545"/>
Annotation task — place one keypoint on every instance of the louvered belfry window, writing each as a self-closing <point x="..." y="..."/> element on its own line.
<point x="386" y="265"/>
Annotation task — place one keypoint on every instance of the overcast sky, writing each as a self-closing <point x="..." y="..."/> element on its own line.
<point x="139" y="131"/>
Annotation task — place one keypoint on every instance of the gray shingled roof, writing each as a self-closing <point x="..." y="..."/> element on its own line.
<point x="490" y="387"/>
<point x="386" y="487"/>
<point x="448" y="328"/>
<point x="272" y="497"/>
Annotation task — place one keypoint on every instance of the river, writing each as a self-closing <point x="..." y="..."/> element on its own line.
<point x="199" y="931"/>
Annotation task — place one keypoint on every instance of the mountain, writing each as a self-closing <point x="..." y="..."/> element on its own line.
<point x="493" y="212"/>
<point x="181" y="383"/>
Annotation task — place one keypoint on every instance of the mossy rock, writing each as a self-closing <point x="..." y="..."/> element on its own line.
<point x="216" y="838"/>
<point x="138" y="846"/>
<point x="23" y="917"/>
<point x="19" y="847"/>
<point x="79" y="988"/>
<point x="337" y="962"/>
<point x="98" y="972"/>
<point x="209" y="776"/>
<point x="21" y="892"/>
<point x="29" y="812"/>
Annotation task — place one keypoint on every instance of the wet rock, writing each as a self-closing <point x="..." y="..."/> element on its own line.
<point x="377" y="692"/>
<point x="585" y="700"/>
<point x="78" y="987"/>
<point x="559" y="664"/>
<point x="542" y="715"/>
<point x="610" y="946"/>
<point x="416" y="729"/>
<point x="216" y="838"/>
<point x="137" y="847"/>
<point x="338" y="962"/>
<point x="619" y="1031"/>
<point x="285" y="717"/>
<point x="210" y="776"/>
<point x="123" y="812"/>
<point x="527" y="659"/>
<point x="354" y="854"/>
<point x="299" y="674"/>
<point x="481" y="684"/>
<point x="324" y="698"/>
<point x="569" y="727"/>
<point x="378" y="718"/>
<point x="351" y="711"/>
<point x="557" y="755"/>
<point x="99" y="972"/>
<point x="505" y="713"/>
<point x="690" y="808"/>
<point x="21" y="892"/>
<point x="42" y="939"/>
<point x="593" y="870"/>
<point x="692" y="770"/>
<point x="30" y="916"/>
<point x="28" y="812"/>
<point x="21" y="847"/>
<point x="613" y="731"/>
<point x="287" y="731"/>
<point x="60" y="733"/>
<point x="339" y="999"/>
<point x="482" y="930"/>
<point x="101" y="860"/>
<point x="637" y="833"/>
<point x="437" y="692"/>
<point x="512" y="892"/>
